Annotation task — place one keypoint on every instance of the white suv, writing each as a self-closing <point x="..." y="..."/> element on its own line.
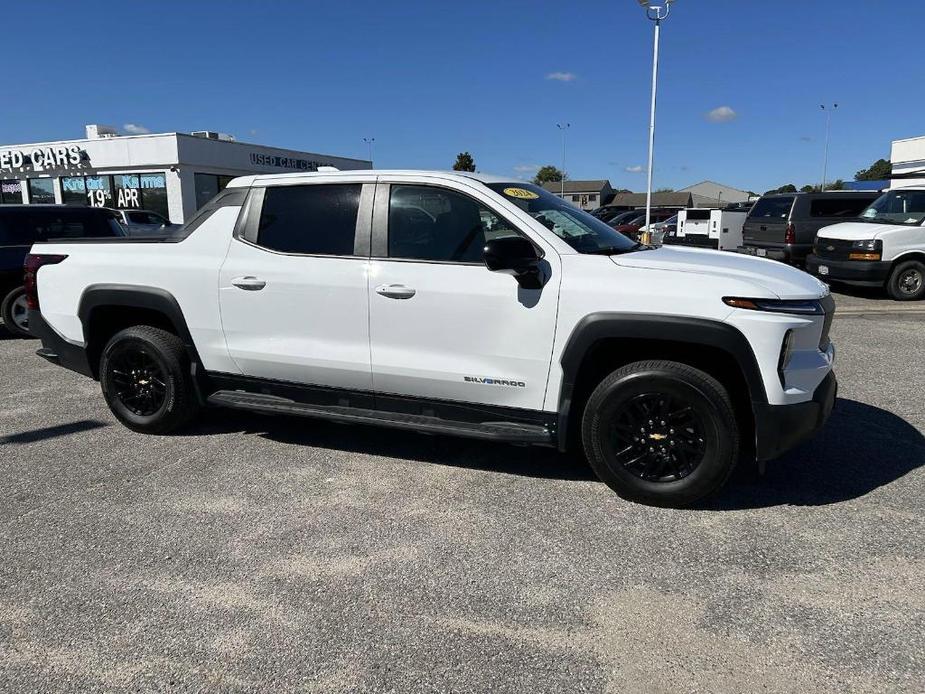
<point x="449" y="303"/>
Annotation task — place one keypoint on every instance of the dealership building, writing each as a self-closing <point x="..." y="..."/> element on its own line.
<point x="173" y="174"/>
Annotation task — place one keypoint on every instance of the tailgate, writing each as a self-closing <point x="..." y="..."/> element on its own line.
<point x="764" y="231"/>
<point x="768" y="219"/>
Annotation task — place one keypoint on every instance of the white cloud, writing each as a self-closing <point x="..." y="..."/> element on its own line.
<point x="562" y="76"/>
<point x="135" y="129"/>
<point x="721" y="114"/>
<point x="638" y="168"/>
<point x="526" y="168"/>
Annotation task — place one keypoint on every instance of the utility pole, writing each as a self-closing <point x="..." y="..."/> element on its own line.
<point x="369" y="147"/>
<point x="825" y="151"/>
<point x="563" y="128"/>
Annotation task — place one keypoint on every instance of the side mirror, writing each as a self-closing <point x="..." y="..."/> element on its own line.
<point x="514" y="255"/>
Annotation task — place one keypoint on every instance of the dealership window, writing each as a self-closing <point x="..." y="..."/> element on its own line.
<point x="208" y="186"/>
<point x="42" y="191"/>
<point x="576" y="198"/>
<point x="310" y="220"/>
<point x="10" y="192"/>
<point x="126" y="191"/>
<point x="73" y="190"/>
<point x="99" y="191"/>
<point x="154" y="193"/>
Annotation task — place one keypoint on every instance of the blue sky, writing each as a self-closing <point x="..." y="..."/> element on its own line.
<point x="430" y="79"/>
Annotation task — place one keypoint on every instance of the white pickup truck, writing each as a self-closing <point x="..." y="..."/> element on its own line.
<point x="448" y="303"/>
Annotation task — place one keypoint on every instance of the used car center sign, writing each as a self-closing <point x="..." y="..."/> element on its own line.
<point x="45" y="158"/>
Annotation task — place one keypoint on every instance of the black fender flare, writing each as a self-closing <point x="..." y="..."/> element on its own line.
<point x="678" y="329"/>
<point x="137" y="296"/>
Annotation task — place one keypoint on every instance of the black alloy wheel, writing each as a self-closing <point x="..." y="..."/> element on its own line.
<point x="658" y="437"/>
<point x="145" y="375"/>
<point x="661" y="432"/>
<point x="138" y="381"/>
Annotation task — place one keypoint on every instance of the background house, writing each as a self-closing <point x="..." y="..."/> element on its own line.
<point x="587" y="195"/>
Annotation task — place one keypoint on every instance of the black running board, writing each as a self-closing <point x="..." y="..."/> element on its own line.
<point x="513" y="432"/>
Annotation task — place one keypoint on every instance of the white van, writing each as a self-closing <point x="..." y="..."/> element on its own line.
<point x="885" y="247"/>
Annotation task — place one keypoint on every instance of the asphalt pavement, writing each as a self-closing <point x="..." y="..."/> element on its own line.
<point x="270" y="554"/>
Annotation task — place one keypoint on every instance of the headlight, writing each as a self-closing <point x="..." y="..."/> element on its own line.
<point x="799" y="306"/>
<point x="866" y="250"/>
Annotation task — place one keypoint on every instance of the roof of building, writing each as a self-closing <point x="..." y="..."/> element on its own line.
<point x="672" y="199"/>
<point x="714" y="183"/>
<point x="594" y="186"/>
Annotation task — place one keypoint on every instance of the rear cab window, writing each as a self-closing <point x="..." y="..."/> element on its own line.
<point x="773" y="209"/>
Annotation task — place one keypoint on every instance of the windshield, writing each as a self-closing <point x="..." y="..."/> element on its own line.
<point x="897" y="207"/>
<point x="581" y="231"/>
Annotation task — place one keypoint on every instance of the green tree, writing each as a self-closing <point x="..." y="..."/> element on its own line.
<point x="464" y="162"/>
<point x="664" y="190"/>
<point x="808" y="189"/>
<point x="789" y="188"/>
<point x="837" y="184"/>
<point x="548" y="174"/>
<point x="877" y="171"/>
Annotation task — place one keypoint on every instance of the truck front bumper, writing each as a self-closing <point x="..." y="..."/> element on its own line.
<point x="778" y="428"/>
<point x="867" y="272"/>
<point x="56" y="349"/>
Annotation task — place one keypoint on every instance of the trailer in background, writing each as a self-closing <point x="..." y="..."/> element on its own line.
<point x="707" y="228"/>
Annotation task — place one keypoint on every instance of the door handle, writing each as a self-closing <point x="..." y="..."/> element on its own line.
<point x="395" y="291"/>
<point x="249" y="283"/>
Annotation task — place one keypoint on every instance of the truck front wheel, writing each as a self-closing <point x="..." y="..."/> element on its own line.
<point x="907" y="281"/>
<point x="661" y="433"/>
<point x="145" y="377"/>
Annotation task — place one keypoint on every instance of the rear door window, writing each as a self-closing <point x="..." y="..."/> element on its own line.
<point x="310" y="220"/>
<point x="840" y="206"/>
<point x="771" y="209"/>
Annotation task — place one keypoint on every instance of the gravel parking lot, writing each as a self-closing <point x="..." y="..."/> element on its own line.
<point x="258" y="553"/>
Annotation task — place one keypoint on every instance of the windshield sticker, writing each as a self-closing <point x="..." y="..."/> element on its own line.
<point x="521" y="193"/>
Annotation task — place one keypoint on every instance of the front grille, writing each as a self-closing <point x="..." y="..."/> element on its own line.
<point x="828" y="305"/>
<point x="832" y="249"/>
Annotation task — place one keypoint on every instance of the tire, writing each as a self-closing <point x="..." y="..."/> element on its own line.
<point x="907" y="281"/>
<point x="654" y="463"/>
<point x="145" y="378"/>
<point x="13" y="311"/>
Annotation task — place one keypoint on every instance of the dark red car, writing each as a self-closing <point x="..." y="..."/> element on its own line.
<point x="630" y="226"/>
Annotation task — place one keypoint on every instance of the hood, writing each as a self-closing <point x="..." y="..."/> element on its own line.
<point x="858" y="231"/>
<point x="774" y="278"/>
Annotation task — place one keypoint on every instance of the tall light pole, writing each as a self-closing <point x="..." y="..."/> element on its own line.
<point x="563" y="127"/>
<point x="369" y="146"/>
<point x="657" y="11"/>
<point x="825" y="152"/>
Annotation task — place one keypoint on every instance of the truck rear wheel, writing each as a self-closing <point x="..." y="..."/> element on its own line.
<point x="661" y="433"/>
<point x="15" y="313"/>
<point x="145" y="377"/>
<point x="907" y="281"/>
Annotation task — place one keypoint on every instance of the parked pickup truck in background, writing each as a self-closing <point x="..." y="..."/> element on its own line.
<point x="449" y="304"/>
<point x="884" y="248"/>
